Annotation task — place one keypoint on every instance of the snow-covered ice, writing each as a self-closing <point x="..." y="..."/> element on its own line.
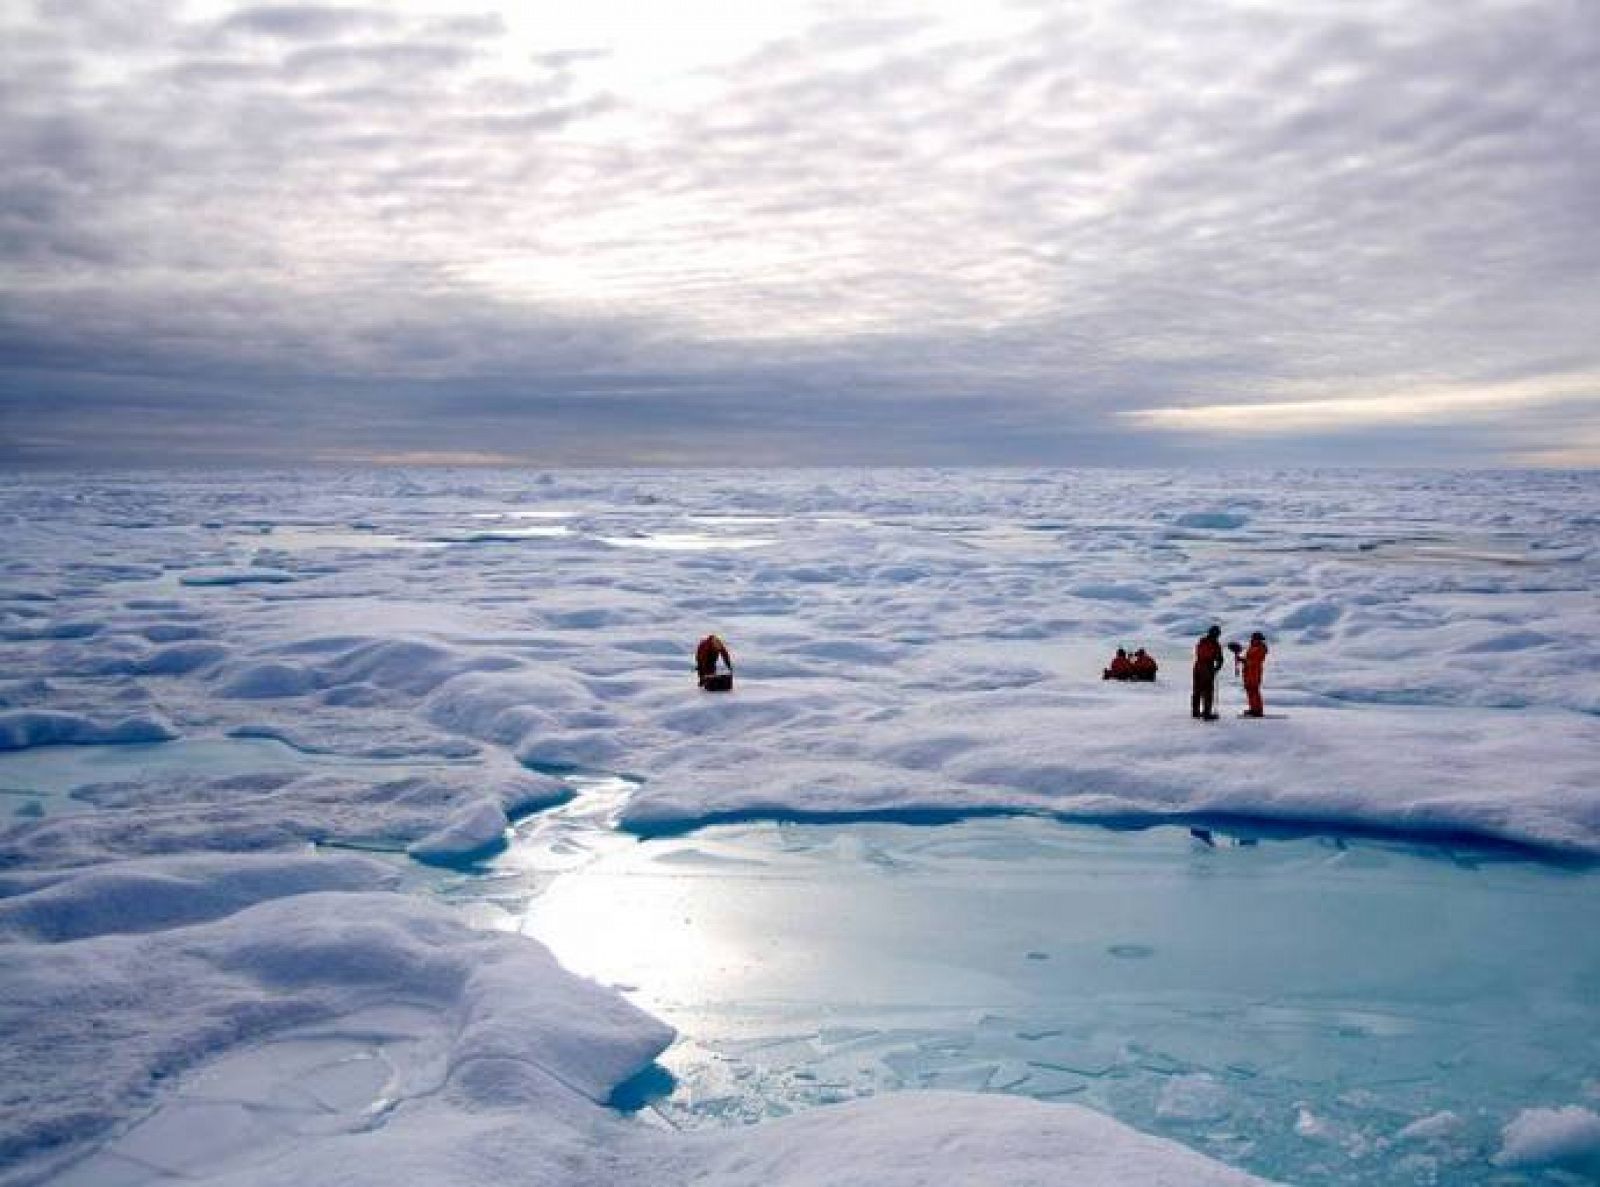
<point x="427" y="661"/>
<point x="1565" y="1137"/>
<point x="474" y="830"/>
<point x="96" y="1028"/>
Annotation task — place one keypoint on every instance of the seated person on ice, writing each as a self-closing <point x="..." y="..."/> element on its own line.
<point x="1140" y="666"/>
<point x="705" y="664"/>
<point x="1121" y="667"/>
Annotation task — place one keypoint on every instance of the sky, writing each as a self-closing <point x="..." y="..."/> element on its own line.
<point x="1081" y="232"/>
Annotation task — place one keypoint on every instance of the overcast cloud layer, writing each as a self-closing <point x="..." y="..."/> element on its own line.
<point x="1118" y="231"/>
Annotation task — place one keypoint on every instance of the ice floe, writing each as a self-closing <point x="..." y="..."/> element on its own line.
<point x="22" y="728"/>
<point x="1564" y="1137"/>
<point x="97" y="1027"/>
<point x="920" y="645"/>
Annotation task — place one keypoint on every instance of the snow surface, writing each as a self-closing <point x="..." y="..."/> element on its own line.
<point x="906" y="642"/>
<point x="97" y="1026"/>
<point x="1565" y="1137"/>
<point x="937" y="652"/>
<point x="474" y="830"/>
<point x="939" y="1137"/>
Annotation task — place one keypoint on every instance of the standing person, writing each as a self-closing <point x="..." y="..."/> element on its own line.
<point x="1255" y="662"/>
<point x="706" y="655"/>
<point x="1207" y="663"/>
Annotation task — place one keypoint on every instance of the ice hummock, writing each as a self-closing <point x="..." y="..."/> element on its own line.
<point x="1567" y="1137"/>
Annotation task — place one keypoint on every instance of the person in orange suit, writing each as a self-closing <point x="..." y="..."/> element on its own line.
<point x="1255" y="662"/>
<point x="1144" y="665"/>
<point x="1121" y="666"/>
<point x="706" y="655"/>
<point x="1207" y="663"/>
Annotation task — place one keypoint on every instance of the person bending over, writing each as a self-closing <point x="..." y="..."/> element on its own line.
<point x="706" y="655"/>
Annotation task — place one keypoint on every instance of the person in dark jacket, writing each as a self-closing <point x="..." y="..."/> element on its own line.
<point x="1207" y="663"/>
<point x="706" y="655"/>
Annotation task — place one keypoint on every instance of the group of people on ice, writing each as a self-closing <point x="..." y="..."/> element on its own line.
<point x="1249" y="662"/>
<point x="1141" y="665"/>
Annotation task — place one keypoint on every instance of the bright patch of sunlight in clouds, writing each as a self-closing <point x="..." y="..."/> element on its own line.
<point x="1404" y="406"/>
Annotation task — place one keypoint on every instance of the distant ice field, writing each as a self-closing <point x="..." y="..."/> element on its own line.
<point x="234" y="706"/>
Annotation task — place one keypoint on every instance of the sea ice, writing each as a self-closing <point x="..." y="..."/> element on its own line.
<point x="1565" y="1137"/>
<point x="97" y="1026"/>
<point x="1193" y="1098"/>
<point x="22" y="728"/>
<point x="923" y="643"/>
<point x="473" y="831"/>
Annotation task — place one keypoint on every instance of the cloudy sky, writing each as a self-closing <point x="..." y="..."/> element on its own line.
<point x="614" y="231"/>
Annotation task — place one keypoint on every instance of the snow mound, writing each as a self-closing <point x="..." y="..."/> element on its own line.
<point x="266" y="680"/>
<point x="1443" y="1126"/>
<point x="503" y="706"/>
<point x="509" y="1024"/>
<point x="1566" y="1137"/>
<point x="258" y="813"/>
<point x="20" y="729"/>
<point x="413" y="666"/>
<point x="473" y="831"/>
<point x="179" y="659"/>
<point x="930" y="1139"/>
<point x="141" y="896"/>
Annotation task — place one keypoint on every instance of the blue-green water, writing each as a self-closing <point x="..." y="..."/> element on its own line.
<point x="1286" y="1005"/>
